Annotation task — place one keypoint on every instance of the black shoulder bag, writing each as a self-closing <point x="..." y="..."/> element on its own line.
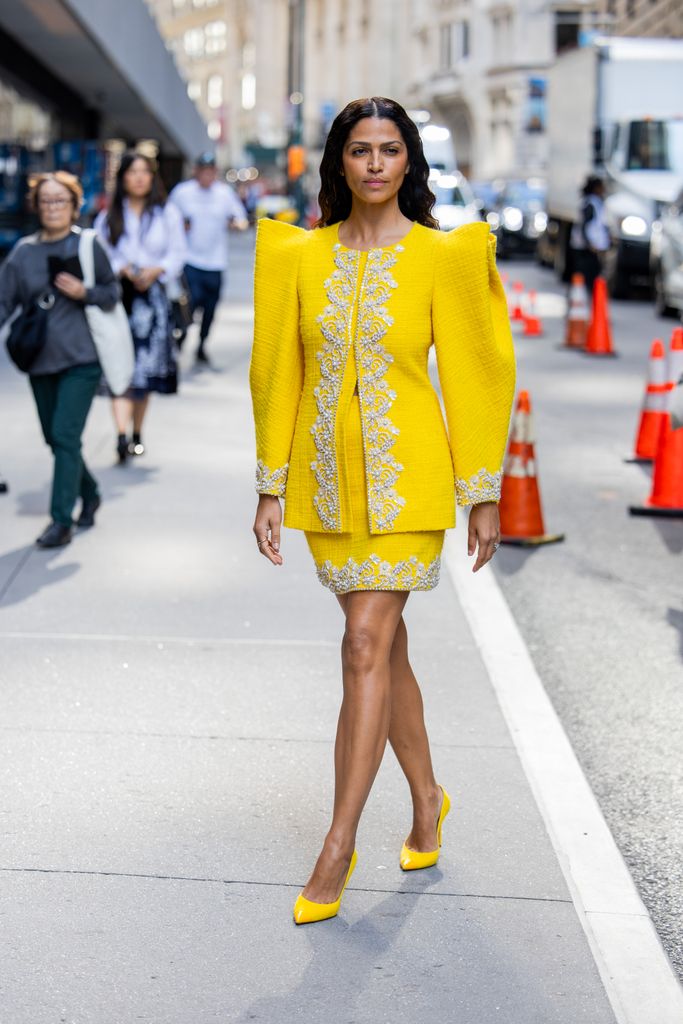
<point x="28" y="332"/>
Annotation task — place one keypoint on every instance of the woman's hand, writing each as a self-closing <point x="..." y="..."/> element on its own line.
<point x="268" y="521"/>
<point x="145" y="278"/>
<point x="483" y="529"/>
<point x="70" y="286"/>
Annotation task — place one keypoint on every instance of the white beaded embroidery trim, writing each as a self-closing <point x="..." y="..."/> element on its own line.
<point x="376" y="397"/>
<point x="375" y="574"/>
<point x="483" y="486"/>
<point x="271" y="481"/>
<point x="334" y="323"/>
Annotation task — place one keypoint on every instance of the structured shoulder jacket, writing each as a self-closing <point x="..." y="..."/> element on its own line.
<point x="330" y="320"/>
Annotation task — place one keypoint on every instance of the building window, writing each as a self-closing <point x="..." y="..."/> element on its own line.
<point x="465" y="39"/>
<point x="445" y="47"/>
<point x="214" y="91"/>
<point x="566" y="30"/>
<point x="215" y="32"/>
<point x="194" y="90"/>
<point x="248" y="91"/>
<point x="193" y="42"/>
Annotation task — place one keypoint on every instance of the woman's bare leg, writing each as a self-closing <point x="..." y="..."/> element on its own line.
<point x="139" y="410"/>
<point x="371" y="621"/>
<point x="122" y="409"/>
<point x="408" y="738"/>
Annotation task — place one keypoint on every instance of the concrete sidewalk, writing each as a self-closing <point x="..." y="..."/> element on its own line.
<point x="169" y="705"/>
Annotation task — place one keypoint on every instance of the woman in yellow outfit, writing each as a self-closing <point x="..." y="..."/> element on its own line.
<point x="349" y="431"/>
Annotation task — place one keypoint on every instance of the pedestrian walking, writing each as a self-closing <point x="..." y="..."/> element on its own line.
<point x="43" y="272"/>
<point x="590" y="237"/>
<point x="209" y="208"/>
<point x="349" y="431"/>
<point x="144" y="238"/>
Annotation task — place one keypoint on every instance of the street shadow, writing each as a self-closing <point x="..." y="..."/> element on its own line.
<point x="28" y="569"/>
<point x="114" y="481"/>
<point x="671" y="532"/>
<point x="511" y="560"/>
<point x="674" y="616"/>
<point x="344" y="957"/>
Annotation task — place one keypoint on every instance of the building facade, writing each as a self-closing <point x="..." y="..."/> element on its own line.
<point x="653" y="18"/>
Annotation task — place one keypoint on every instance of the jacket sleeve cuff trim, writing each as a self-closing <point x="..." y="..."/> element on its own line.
<point x="271" y="481"/>
<point x="483" y="486"/>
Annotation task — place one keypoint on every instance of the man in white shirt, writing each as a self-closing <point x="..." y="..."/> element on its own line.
<point x="209" y="207"/>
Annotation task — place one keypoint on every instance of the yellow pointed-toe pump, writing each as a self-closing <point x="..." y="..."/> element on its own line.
<point x="306" y="911"/>
<point x="413" y="860"/>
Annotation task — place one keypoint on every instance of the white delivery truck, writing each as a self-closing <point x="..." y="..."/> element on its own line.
<point x="615" y="108"/>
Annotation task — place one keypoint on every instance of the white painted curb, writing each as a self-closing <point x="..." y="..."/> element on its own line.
<point x="635" y="970"/>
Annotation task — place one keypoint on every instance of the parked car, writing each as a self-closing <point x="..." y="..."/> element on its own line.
<point x="519" y="216"/>
<point x="276" y="207"/>
<point x="666" y="259"/>
<point x="456" y="203"/>
<point x="486" y="194"/>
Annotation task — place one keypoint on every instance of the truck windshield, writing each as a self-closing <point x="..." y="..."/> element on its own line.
<point x="656" y="146"/>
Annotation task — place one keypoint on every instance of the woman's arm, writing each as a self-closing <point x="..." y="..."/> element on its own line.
<point x="10" y="295"/>
<point x="476" y="364"/>
<point x="175" y="257"/>
<point x="276" y="372"/>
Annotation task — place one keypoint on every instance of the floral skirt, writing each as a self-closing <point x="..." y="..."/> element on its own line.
<point x="155" y="364"/>
<point x="362" y="561"/>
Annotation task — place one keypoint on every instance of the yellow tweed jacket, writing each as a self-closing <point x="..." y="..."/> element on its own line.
<point x="326" y="317"/>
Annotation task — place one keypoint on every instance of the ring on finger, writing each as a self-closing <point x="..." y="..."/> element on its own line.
<point x="496" y="545"/>
<point x="264" y="540"/>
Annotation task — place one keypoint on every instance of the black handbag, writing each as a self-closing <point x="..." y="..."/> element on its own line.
<point x="28" y="332"/>
<point x="181" y="310"/>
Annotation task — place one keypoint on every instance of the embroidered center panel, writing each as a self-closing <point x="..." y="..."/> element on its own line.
<point x="376" y="397"/>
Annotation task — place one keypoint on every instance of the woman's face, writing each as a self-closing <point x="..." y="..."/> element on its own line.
<point x="375" y="160"/>
<point x="137" y="181"/>
<point x="55" y="206"/>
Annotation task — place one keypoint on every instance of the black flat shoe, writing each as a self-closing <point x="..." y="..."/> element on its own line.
<point x="202" y="357"/>
<point x="122" y="449"/>
<point x="87" y="516"/>
<point x="56" y="535"/>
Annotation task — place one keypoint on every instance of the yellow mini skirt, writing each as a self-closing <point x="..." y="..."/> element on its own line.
<point x="360" y="560"/>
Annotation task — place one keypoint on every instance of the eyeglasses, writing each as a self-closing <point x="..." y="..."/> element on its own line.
<point x="58" y="204"/>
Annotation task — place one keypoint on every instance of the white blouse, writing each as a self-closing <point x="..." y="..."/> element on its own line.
<point x="155" y="240"/>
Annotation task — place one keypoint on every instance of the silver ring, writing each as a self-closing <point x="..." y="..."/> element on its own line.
<point x="260" y="542"/>
<point x="496" y="545"/>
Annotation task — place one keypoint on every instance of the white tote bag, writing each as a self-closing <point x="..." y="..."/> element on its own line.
<point x="109" y="327"/>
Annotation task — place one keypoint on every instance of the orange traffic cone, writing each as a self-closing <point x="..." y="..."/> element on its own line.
<point x="521" y="518"/>
<point x="578" y="313"/>
<point x="517" y="312"/>
<point x="653" y="414"/>
<point x="599" y="340"/>
<point x="533" y="328"/>
<point x="675" y="363"/>
<point x="666" y="497"/>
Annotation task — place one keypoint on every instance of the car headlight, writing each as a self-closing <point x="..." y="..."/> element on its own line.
<point x="634" y="226"/>
<point x="513" y="219"/>
<point x="540" y="221"/>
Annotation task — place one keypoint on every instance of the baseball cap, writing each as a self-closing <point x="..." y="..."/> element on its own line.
<point x="206" y="159"/>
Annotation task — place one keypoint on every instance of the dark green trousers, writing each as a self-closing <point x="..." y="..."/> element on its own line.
<point x="63" y="401"/>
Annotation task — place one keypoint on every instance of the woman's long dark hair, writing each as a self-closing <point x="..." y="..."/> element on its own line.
<point x="415" y="199"/>
<point x="155" y="197"/>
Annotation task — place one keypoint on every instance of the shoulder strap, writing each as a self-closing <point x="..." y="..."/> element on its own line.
<point x="86" y="255"/>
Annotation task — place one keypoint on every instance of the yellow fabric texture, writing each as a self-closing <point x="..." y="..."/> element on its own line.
<point x="329" y="319"/>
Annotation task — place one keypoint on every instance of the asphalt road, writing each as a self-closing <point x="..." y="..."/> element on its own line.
<point x="602" y="612"/>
